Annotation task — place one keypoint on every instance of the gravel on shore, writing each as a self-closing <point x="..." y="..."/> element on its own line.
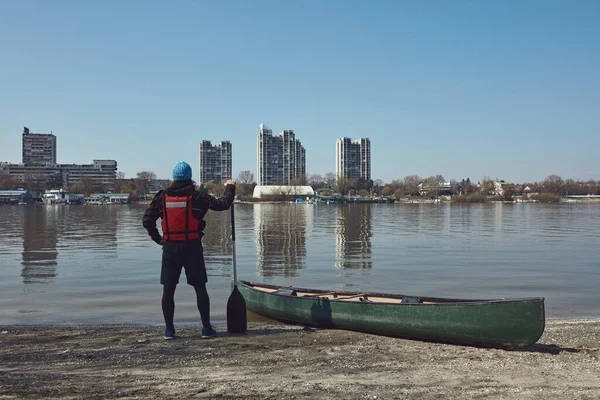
<point x="276" y="361"/>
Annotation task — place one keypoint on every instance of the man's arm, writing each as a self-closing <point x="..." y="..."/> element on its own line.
<point x="151" y="215"/>
<point x="220" y="203"/>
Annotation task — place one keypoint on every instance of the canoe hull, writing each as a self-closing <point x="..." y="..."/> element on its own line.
<point x="490" y="323"/>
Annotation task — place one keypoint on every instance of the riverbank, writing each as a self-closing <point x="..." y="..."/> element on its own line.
<point x="276" y="361"/>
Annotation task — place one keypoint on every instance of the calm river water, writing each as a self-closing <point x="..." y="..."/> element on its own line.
<point x="96" y="264"/>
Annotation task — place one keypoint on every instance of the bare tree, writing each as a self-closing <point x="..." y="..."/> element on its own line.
<point x="377" y="185"/>
<point x="245" y="178"/>
<point x="316" y="180"/>
<point x="343" y="185"/>
<point x="455" y="186"/>
<point x="216" y="189"/>
<point x="84" y="186"/>
<point x="143" y="181"/>
<point x="508" y="190"/>
<point x="330" y="179"/>
<point x="467" y="187"/>
<point x="410" y="184"/>
<point x="486" y="186"/>
<point x="301" y="179"/>
<point x="554" y="184"/>
<point x="120" y="182"/>
<point x="431" y="187"/>
<point x="295" y="182"/>
<point x="245" y="184"/>
<point x="570" y="186"/>
<point x="35" y="181"/>
<point x="8" y="182"/>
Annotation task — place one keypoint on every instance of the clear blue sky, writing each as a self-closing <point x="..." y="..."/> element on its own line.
<point x="503" y="89"/>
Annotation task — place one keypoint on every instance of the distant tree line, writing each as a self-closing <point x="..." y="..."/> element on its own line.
<point x="145" y="184"/>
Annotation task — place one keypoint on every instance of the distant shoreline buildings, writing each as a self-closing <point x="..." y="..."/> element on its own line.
<point x="39" y="165"/>
<point x="281" y="160"/>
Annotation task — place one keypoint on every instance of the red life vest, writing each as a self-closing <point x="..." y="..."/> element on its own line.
<point x="178" y="223"/>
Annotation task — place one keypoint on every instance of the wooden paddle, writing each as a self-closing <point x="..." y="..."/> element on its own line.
<point x="236" y="305"/>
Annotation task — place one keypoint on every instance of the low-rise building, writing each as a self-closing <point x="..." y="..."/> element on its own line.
<point x="108" y="198"/>
<point x="101" y="172"/>
<point x="440" y="189"/>
<point x="16" y="197"/>
<point x="281" y="192"/>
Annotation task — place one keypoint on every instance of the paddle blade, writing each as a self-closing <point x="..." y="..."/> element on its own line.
<point x="236" y="312"/>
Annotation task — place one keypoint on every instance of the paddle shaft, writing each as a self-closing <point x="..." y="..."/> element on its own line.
<point x="233" y="245"/>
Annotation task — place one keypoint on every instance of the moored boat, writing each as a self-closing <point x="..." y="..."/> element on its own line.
<point x="503" y="323"/>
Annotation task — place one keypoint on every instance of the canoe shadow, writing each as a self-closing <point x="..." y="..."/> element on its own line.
<point x="546" y="348"/>
<point x="264" y="331"/>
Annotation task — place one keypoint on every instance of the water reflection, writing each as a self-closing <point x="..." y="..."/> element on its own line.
<point x="89" y="273"/>
<point x="353" y="236"/>
<point x="280" y="231"/>
<point x="76" y="232"/>
<point x="217" y="243"/>
<point x="40" y="236"/>
<point x="90" y="227"/>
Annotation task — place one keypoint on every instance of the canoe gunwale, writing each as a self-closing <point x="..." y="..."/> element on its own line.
<point x="431" y="301"/>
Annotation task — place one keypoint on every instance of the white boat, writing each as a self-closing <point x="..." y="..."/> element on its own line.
<point x="61" y="196"/>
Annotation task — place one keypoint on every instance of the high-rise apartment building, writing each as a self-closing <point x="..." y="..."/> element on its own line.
<point x="280" y="159"/>
<point x="353" y="159"/>
<point x="39" y="148"/>
<point x="215" y="162"/>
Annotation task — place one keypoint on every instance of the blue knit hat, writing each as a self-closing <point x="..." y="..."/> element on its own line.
<point x="182" y="171"/>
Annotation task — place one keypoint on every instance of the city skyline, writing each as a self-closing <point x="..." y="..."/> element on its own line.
<point x="506" y="90"/>
<point x="215" y="167"/>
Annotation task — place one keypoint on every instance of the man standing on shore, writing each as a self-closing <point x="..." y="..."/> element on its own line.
<point x="182" y="209"/>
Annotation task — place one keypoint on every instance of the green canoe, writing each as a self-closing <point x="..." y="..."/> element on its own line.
<point x="503" y="323"/>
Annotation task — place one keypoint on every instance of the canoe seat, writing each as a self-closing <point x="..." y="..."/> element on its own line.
<point x="321" y="295"/>
<point x="410" y="300"/>
<point x="285" y="292"/>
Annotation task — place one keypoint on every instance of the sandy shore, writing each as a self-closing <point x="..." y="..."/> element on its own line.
<point x="274" y="361"/>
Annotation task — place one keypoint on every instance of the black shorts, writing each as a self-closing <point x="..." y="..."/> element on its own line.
<point x="187" y="255"/>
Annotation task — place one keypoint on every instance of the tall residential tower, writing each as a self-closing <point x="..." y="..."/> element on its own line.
<point x="215" y="162"/>
<point x="280" y="159"/>
<point x="353" y="159"/>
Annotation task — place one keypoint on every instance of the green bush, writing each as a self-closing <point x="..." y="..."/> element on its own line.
<point x="469" y="198"/>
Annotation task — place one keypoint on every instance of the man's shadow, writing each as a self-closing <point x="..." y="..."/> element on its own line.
<point x="321" y="313"/>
